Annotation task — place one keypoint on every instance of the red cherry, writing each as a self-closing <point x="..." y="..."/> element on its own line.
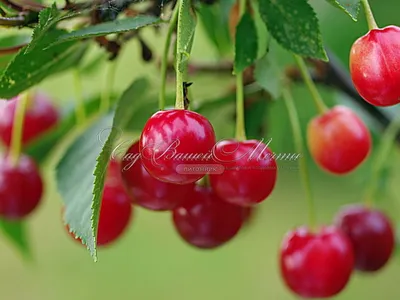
<point x="250" y="172"/>
<point x="40" y="116"/>
<point x="147" y="191"/>
<point x="371" y="234"/>
<point x="338" y="140"/>
<point x="316" y="265"/>
<point x="21" y="187"/>
<point x="116" y="209"/>
<point x="175" y="144"/>
<point x="375" y="66"/>
<point x="205" y="221"/>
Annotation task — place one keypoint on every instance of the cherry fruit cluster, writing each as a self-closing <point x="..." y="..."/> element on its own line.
<point x="21" y="184"/>
<point x="168" y="169"/>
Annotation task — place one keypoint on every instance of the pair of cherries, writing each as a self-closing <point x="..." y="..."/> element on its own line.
<point x="320" y="264"/>
<point x="21" y="185"/>
<point x="176" y="149"/>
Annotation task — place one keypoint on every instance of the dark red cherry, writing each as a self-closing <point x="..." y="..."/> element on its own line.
<point x="21" y="187"/>
<point x="316" y="265"/>
<point x="147" y="191"/>
<point x="338" y="140"/>
<point x="116" y="209"/>
<point x="176" y="144"/>
<point x="205" y="221"/>
<point x="371" y="233"/>
<point x="40" y="116"/>
<point x="375" y="66"/>
<point x="250" y="172"/>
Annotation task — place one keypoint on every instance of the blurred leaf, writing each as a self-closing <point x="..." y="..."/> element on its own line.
<point x="350" y="7"/>
<point x="295" y="26"/>
<point x="10" y="41"/>
<point x="246" y="45"/>
<point x="186" y="30"/>
<point x="268" y="75"/>
<point x="143" y="110"/>
<point x="215" y="26"/>
<point x="255" y="116"/>
<point x="16" y="232"/>
<point x="81" y="172"/>
<point x="40" y="149"/>
<point x="29" y="69"/>
<point x="106" y="28"/>
<point x="93" y="64"/>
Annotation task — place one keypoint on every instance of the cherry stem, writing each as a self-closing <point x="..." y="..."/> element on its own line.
<point x="304" y="172"/>
<point x="164" y="61"/>
<point x="386" y="144"/>
<point x="80" y="107"/>
<point x="240" y="122"/>
<point x="319" y="103"/>
<point x="369" y="15"/>
<point x="18" y="128"/>
<point x="105" y="99"/>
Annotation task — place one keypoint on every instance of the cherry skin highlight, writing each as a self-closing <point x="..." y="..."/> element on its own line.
<point x="115" y="211"/>
<point x="316" y="265"/>
<point x="250" y="172"/>
<point x="21" y="187"/>
<point x="338" y="140"/>
<point x="173" y="141"/>
<point x="206" y="221"/>
<point x="40" y="116"/>
<point x="371" y="233"/>
<point x="146" y="191"/>
<point x="375" y="66"/>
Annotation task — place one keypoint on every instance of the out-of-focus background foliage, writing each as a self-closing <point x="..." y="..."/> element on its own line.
<point x="151" y="262"/>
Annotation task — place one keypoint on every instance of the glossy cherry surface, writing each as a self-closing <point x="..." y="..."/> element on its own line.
<point x="116" y="209"/>
<point x="316" y="265"/>
<point x="21" y="187"/>
<point x="338" y="140"/>
<point x="375" y="66"/>
<point x="205" y="221"/>
<point x="40" y="116"/>
<point x="249" y="174"/>
<point x="147" y="191"/>
<point x="371" y="233"/>
<point x="176" y="144"/>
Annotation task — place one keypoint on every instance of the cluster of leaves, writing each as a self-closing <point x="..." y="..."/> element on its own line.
<point x="53" y="49"/>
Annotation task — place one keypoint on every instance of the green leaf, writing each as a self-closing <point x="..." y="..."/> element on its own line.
<point x="106" y="28"/>
<point x="41" y="148"/>
<point x="269" y="76"/>
<point x="47" y="19"/>
<point x="186" y="30"/>
<point x="29" y="69"/>
<point x="264" y="37"/>
<point x="246" y="45"/>
<point x="81" y="172"/>
<point x="350" y="7"/>
<point x="15" y="231"/>
<point x="10" y="41"/>
<point x="295" y="26"/>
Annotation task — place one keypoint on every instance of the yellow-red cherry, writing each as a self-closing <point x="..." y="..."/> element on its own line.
<point x="338" y="140"/>
<point x="375" y="66"/>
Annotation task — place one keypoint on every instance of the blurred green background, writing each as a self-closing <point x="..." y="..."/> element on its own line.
<point x="150" y="262"/>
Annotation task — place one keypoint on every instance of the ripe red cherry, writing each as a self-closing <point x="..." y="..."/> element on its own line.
<point x="40" y="116"/>
<point x="338" y="140"/>
<point x="205" y="221"/>
<point x="375" y="66"/>
<point x="249" y="175"/>
<point x="21" y="187"/>
<point x="173" y="140"/>
<point x="316" y="265"/>
<point x="116" y="209"/>
<point x="371" y="234"/>
<point x="147" y="191"/>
